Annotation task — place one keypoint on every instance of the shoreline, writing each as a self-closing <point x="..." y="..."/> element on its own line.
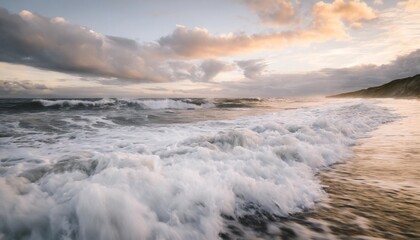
<point x="375" y="194"/>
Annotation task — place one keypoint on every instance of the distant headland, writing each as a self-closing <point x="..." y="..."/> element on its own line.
<point x="400" y="88"/>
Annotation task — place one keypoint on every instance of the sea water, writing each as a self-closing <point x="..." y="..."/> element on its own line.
<point x="183" y="168"/>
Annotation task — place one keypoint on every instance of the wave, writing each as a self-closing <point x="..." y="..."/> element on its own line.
<point x="115" y="103"/>
<point x="154" y="104"/>
<point x="157" y="104"/>
<point x="186" y="181"/>
<point x="74" y="103"/>
<point x="105" y="103"/>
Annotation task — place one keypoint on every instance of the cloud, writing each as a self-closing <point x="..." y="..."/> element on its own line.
<point x="206" y="71"/>
<point x="324" y="82"/>
<point x="257" y="83"/>
<point x="252" y="68"/>
<point x="273" y="12"/>
<point x="211" y="68"/>
<point x="410" y="5"/>
<point x="31" y="39"/>
<point x="53" y="43"/>
<point x="330" y="17"/>
<point x="378" y="2"/>
<point x="21" y="88"/>
<point x="329" y="22"/>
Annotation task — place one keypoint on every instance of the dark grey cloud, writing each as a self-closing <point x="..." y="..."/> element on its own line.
<point x="160" y="89"/>
<point x="21" y="88"/>
<point x="31" y="39"/>
<point x="203" y="72"/>
<point x="52" y="43"/>
<point x="252" y="68"/>
<point x="211" y="68"/>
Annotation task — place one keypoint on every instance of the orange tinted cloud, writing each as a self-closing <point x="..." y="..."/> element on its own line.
<point x="329" y="18"/>
<point x="411" y="5"/>
<point x="330" y="21"/>
<point x="273" y="12"/>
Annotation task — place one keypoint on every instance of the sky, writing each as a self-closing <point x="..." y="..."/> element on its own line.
<point x="198" y="48"/>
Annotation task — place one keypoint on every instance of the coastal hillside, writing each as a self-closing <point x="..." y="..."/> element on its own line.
<point x="406" y="87"/>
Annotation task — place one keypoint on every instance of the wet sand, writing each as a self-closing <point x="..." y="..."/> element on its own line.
<point x="375" y="195"/>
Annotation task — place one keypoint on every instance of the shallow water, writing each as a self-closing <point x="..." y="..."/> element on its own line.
<point x="208" y="169"/>
<point x="374" y="195"/>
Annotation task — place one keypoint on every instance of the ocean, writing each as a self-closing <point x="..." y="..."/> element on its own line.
<point x="257" y="168"/>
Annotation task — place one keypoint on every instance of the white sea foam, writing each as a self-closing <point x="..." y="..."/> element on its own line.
<point x="174" y="181"/>
<point x="154" y="104"/>
<point x="73" y="102"/>
<point x="168" y="104"/>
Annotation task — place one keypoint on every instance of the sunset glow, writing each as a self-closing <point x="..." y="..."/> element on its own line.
<point x="282" y="43"/>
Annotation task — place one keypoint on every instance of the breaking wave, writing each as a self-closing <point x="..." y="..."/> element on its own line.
<point x="115" y="103"/>
<point x="157" y="104"/>
<point x="73" y="103"/>
<point x="184" y="181"/>
<point x="154" y="104"/>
